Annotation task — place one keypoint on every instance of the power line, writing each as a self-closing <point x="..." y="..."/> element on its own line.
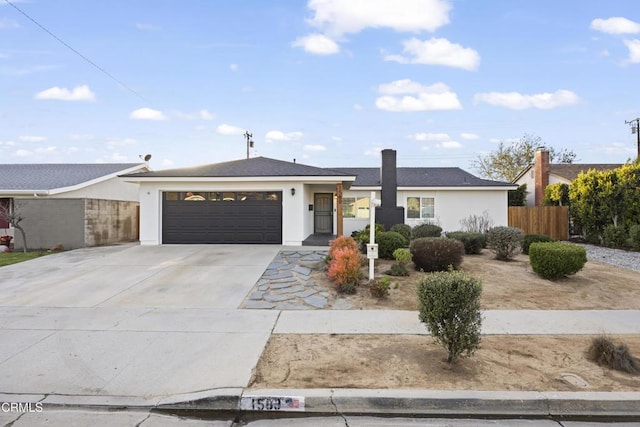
<point x="99" y="68"/>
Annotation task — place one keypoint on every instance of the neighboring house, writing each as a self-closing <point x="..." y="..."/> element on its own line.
<point x="542" y="173"/>
<point x="262" y="200"/>
<point x="75" y="205"/>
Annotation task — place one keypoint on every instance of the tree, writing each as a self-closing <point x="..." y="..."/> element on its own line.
<point x="556" y="194"/>
<point x="518" y="197"/>
<point x="505" y="163"/>
<point x="14" y="218"/>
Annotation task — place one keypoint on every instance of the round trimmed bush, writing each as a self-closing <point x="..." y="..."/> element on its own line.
<point x="436" y="254"/>
<point x="388" y="242"/>
<point x="532" y="238"/>
<point x="402" y="256"/>
<point x="449" y="305"/>
<point x="403" y="229"/>
<point x="425" y="230"/>
<point x="505" y="242"/>
<point x="553" y="260"/>
<point x="473" y="242"/>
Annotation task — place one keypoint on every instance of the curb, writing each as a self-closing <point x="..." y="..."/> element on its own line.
<point x="447" y="403"/>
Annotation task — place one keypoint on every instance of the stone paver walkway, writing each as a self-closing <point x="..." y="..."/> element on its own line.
<point x="286" y="284"/>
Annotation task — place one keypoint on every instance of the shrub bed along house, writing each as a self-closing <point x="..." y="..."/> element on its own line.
<point x="473" y="242"/>
<point x="634" y="237"/>
<point x="388" y="242"/>
<point x="426" y="230"/>
<point x="553" y="260"/>
<point x="505" y="242"/>
<point x="436" y="253"/>
<point x="614" y="236"/>
<point x="528" y="239"/>
<point x="449" y="305"/>
<point x="403" y="229"/>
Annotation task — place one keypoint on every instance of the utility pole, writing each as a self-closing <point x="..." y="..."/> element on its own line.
<point x="249" y="141"/>
<point x="635" y="128"/>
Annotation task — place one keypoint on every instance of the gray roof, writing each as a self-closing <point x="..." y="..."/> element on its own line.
<point x="422" y="177"/>
<point x="49" y="176"/>
<point x="256" y="166"/>
<point x="572" y="170"/>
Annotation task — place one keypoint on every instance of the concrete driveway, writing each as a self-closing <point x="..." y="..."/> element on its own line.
<point x="144" y="321"/>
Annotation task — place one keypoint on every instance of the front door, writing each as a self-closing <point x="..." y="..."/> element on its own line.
<point x="323" y="213"/>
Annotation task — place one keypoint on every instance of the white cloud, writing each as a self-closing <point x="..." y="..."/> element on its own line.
<point x="615" y="25"/>
<point x="336" y="138"/>
<point x="436" y="51"/>
<point x="338" y="17"/>
<point x="198" y="115"/>
<point x="434" y="97"/>
<point x="314" y="148"/>
<point x="373" y="152"/>
<point x="23" y="153"/>
<point x="78" y="93"/>
<point x="8" y="143"/>
<point x="167" y="162"/>
<point x="634" y="50"/>
<point x="225" y="129"/>
<point x="82" y="137"/>
<point x="449" y="144"/>
<point x="317" y="44"/>
<point x="518" y="101"/>
<point x="358" y="107"/>
<point x="147" y="114"/>
<point x="113" y="143"/>
<point x="8" y="24"/>
<point x="233" y="67"/>
<point x="617" y="148"/>
<point x="32" y="138"/>
<point x="430" y="137"/>
<point x="46" y="150"/>
<point x="276" y="135"/>
<point x="147" y="27"/>
<point x="469" y="136"/>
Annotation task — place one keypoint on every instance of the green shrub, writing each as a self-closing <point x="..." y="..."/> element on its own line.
<point x="380" y="288"/>
<point x="403" y="229"/>
<point x="553" y="260"/>
<point x="634" y="237"/>
<point x="347" y="288"/>
<point x="473" y="242"/>
<point x="388" y="242"/>
<point x="362" y="236"/>
<point x="605" y="353"/>
<point x="614" y="236"/>
<point x="402" y="256"/>
<point x="436" y="253"/>
<point x="505" y="242"/>
<point x="425" y="230"/>
<point x="449" y="305"/>
<point x="532" y="238"/>
<point x="397" y="269"/>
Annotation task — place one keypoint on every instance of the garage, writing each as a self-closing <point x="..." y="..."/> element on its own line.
<point x="222" y="217"/>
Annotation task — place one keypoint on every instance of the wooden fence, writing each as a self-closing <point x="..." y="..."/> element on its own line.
<point x="550" y="220"/>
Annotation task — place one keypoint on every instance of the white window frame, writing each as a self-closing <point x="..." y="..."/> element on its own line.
<point x="355" y="203"/>
<point x="421" y="206"/>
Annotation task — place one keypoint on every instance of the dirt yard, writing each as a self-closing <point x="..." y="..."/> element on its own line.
<point x="522" y="363"/>
<point x="511" y="285"/>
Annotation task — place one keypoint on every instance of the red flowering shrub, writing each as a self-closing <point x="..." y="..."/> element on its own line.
<point x="342" y="242"/>
<point x="344" y="266"/>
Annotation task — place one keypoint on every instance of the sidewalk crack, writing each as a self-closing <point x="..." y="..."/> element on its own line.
<point x="346" y="422"/>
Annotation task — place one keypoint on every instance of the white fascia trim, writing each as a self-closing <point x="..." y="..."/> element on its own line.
<point x="497" y="188"/>
<point x="24" y="193"/>
<point x="301" y="179"/>
<point x="97" y="180"/>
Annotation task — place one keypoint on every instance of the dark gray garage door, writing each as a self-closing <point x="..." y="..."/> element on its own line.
<point x="222" y="217"/>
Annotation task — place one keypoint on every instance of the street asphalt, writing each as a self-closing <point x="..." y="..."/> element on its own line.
<point x="143" y="327"/>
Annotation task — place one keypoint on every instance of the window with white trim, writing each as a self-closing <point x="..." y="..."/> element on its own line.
<point x="421" y="208"/>
<point x="355" y="207"/>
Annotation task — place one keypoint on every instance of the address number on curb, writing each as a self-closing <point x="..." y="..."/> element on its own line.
<point x="271" y="403"/>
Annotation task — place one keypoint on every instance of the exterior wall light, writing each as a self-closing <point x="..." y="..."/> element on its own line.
<point x="293" y="191"/>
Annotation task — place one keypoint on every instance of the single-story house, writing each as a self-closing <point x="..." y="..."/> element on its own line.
<point x="263" y="200"/>
<point x="75" y="205"/>
<point x="542" y="173"/>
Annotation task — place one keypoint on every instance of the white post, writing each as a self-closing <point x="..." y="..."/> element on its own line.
<point x="372" y="247"/>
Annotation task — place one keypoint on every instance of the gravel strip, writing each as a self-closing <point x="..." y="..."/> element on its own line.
<point x="617" y="257"/>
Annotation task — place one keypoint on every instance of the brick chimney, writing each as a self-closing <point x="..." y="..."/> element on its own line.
<point x="389" y="213"/>
<point x="541" y="175"/>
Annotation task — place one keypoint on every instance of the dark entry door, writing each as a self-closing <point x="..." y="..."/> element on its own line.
<point x="323" y="213"/>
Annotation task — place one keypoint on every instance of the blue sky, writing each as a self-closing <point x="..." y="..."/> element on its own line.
<point x="327" y="82"/>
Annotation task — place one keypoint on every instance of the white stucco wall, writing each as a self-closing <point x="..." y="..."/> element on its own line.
<point x="453" y="206"/>
<point x="293" y="223"/>
<point x="529" y="179"/>
<point x="110" y="189"/>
